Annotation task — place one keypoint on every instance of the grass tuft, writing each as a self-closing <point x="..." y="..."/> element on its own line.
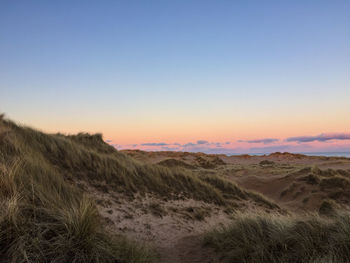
<point x="258" y="238"/>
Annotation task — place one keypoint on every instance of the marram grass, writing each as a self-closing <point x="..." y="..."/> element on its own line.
<point x="275" y="238"/>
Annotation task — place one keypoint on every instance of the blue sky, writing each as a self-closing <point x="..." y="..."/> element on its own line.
<point x="155" y="71"/>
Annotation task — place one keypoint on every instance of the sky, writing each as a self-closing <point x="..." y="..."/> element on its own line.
<point x="211" y="76"/>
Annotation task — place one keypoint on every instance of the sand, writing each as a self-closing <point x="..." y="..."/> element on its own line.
<point x="174" y="228"/>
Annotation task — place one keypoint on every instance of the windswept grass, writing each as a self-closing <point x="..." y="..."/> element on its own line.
<point x="87" y="157"/>
<point x="43" y="219"/>
<point x="46" y="218"/>
<point x="176" y="163"/>
<point x="261" y="238"/>
<point x="232" y="191"/>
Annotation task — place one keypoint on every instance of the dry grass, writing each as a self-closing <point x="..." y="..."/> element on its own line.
<point x="336" y="181"/>
<point x="45" y="217"/>
<point x="89" y="158"/>
<point x="312" y="179"/>
<point x="260" y="238"/>
<point x="176" y="163"/>
<point x="196" y="213"/>
<point x="233" y="192"/>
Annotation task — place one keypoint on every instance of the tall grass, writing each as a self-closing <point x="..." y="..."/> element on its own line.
<point x="88" y="157"/>
<point x="43" y="218"/>
<point x="258" y="238"/>
<point x="46" y="218"/>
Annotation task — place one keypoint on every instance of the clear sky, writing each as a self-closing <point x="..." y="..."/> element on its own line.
<point x="215" y="76"/>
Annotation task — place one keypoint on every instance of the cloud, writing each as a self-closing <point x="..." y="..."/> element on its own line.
<point x="264" y="145"/>
<point x="202" y="143"/>
<point x="321" y="138"/>
<point x="108" y="141"/>
<point x="190" y="144"/>
<point x="264" y="141"/>
<point x="154" y="144"/>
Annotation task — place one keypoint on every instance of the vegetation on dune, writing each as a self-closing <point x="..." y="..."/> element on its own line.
<point x="261" y="238"/>
<point x="45" y="217"/>
<point x="335" y="183"/>
<point x="330" y="172"/>
<point x="206" y="164"/>
<point x="89" y="158"/>
<point x="266" y="163"/>
<point x="176" y="163"/>
<point x="232" y="191"/>
<point x="328" y="208"/>
<point x="312" y="179"/>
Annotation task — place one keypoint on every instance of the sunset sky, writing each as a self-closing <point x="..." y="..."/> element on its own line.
<point x="212" y="76"/>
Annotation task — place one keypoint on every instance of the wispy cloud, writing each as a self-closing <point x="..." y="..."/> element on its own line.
<point x="321" y="138"/>
<point x="155" y="144"/>
<point x="190" y="144"/>
<point x="264" y="141"/>
<point x="166" y="148"/>
<point x="201" y="144"/>
<point x="323" y="142"/>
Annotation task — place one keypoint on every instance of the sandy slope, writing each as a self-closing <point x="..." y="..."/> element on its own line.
<point x="175" y="227"/>
<point x="282" y="180"/>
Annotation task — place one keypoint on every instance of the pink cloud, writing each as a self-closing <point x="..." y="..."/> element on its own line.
<point x="321" y="143"/>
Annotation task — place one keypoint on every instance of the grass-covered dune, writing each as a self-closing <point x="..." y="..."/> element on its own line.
<point x="46" y="217"/>
<point x="87" y="157"/>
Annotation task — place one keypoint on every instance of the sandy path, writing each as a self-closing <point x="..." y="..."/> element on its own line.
<point x="170" y="227"/>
